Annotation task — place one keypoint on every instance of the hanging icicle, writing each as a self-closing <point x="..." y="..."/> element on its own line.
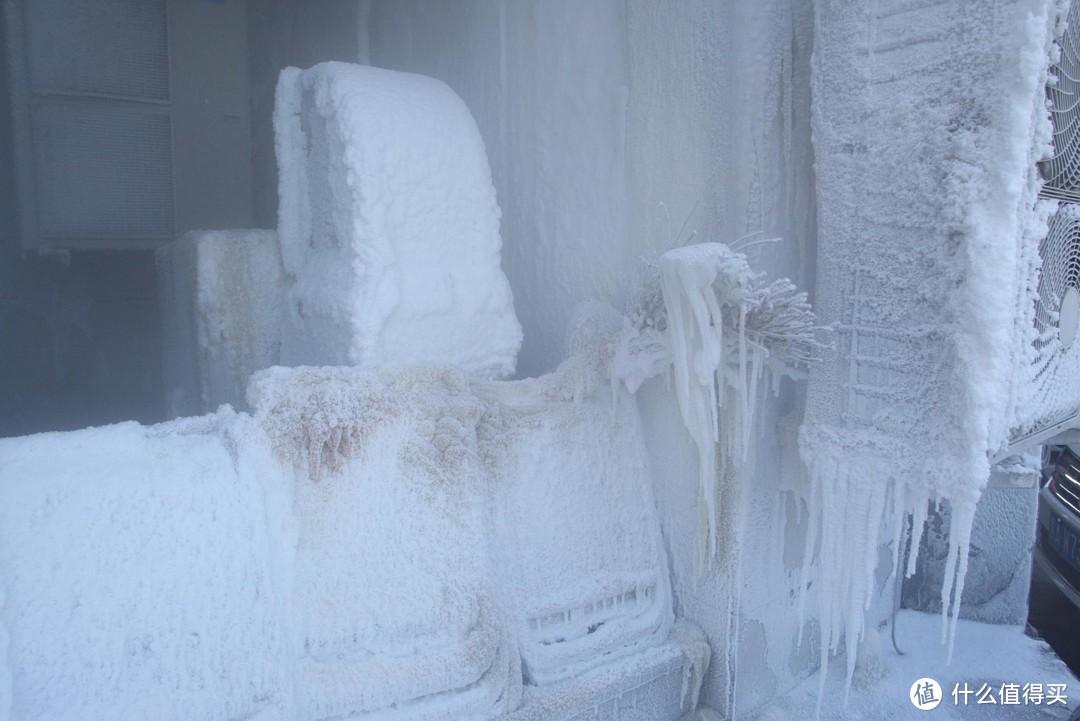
<point x="710" y="318"/>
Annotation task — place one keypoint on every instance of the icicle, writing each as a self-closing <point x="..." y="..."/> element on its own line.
<point x="952" y="588"/>
<point x="813" y="521"/>
<point x="918" y="522"/>
<point x="697" y="283"/>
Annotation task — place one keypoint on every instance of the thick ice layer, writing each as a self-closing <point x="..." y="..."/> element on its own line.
<point x="389" y="225"/>
<point x="223" y="301"/>
<point x="926" y="204"/>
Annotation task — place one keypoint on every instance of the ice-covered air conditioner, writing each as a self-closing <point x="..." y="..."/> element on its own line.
<point x="949" y="351"/>
<point x="1046" y="391"/>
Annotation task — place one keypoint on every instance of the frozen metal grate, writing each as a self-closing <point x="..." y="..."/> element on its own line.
<point x="1047" y="394"/>
<point x="1049" y="388"/>
<point x="102" y="171"/>
<point x="1065" y="484"/>
<point x="98" y="47"/>
<point x="1062" y="172"/>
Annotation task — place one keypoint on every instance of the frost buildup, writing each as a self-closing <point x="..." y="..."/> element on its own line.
<point x="389" y="226"/>
<point x="926" y="189"/>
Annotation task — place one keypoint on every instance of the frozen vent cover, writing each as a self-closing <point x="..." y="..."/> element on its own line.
<point x="1062" y="172"/>
<point x="1049" y="388"/>
<point x="1046" y="391"/>
<point x="1059" y="283"/>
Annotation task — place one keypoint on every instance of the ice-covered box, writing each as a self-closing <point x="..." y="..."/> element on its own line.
<point x="389" y="225"/>
<point x="580" y="545"/>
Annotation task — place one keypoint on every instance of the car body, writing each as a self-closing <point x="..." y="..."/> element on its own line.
<point x="1057" y="550"/>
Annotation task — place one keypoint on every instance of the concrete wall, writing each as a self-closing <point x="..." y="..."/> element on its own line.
<point x="615" y="130"/>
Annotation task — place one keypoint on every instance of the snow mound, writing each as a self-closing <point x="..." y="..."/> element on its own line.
<point x="388" y="224"/>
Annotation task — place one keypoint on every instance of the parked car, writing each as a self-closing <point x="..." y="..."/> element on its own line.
<point x="1057" y="550"/>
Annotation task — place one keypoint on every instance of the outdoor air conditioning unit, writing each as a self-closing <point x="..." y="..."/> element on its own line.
<point x="1046" y="393"/>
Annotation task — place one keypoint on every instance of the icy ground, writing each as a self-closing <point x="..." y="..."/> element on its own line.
<point x="985" y="654"/>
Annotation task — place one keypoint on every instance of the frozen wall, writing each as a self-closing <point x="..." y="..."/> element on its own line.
<point x="614" y="131"/>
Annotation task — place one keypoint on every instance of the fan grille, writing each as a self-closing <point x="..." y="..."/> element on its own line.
<point x="1046" y="391"/>
<point x="1062" y="172"/>
<point x="1054" y="381"/>
<point x="1060" y="251"/>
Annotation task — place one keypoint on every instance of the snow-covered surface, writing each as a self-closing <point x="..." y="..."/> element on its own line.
<point x="389" y="225"/>
<point x="381" y="544"/>
<point x="926" y="189"/>
<point x="395" y="600"/>
<point x="607" y="134"/>
<point x="615" y="130"/>
<point x="223" y="300"/>
<point x="994" y="655"/>
<point x="145" y="573"/>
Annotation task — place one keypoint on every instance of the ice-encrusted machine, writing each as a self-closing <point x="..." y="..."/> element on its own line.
<point x="544" y="591"/>
<point x="1047" y="393"/>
